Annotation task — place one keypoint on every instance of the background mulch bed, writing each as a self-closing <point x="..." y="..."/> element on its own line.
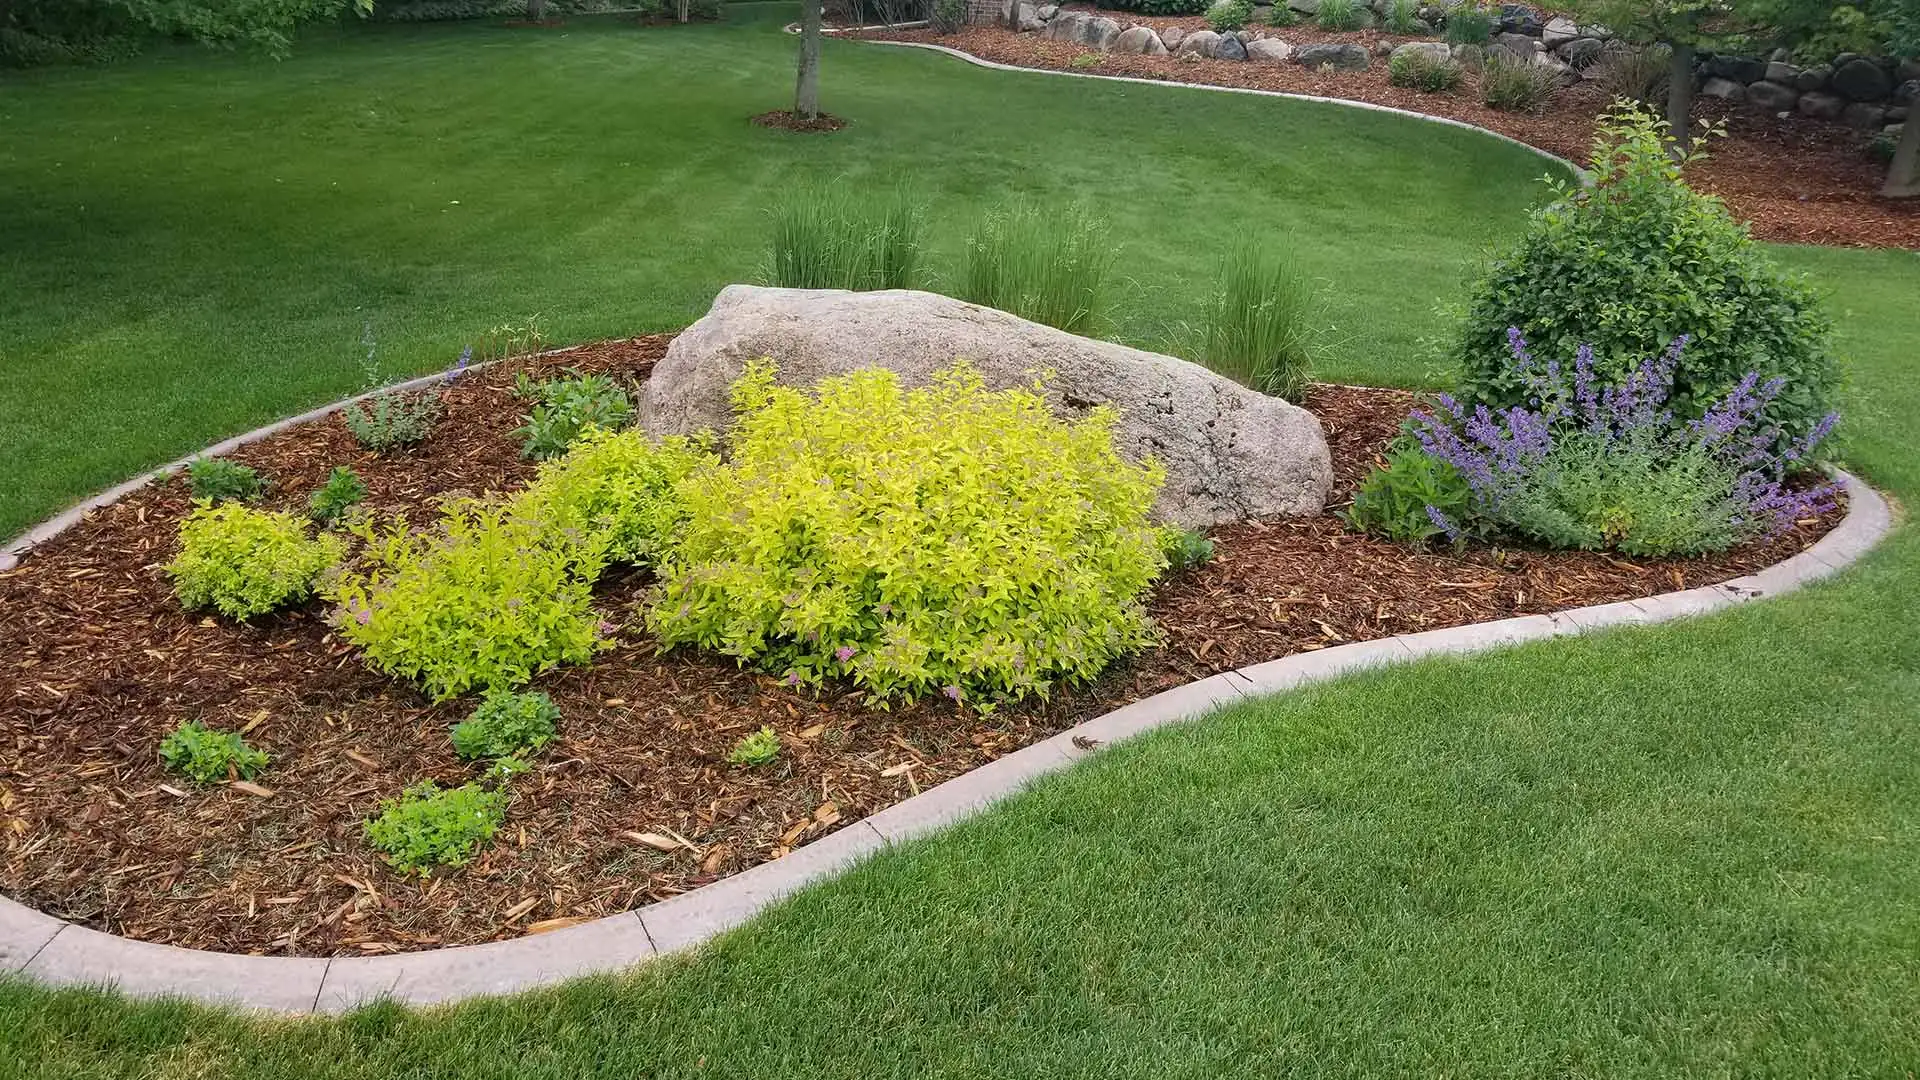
<point x="1797" y="181"/>
<point x="99" y="664"/>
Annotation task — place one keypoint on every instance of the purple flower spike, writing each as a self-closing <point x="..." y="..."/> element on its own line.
<point x="1443" y="523"/>
<point x="952" y="692"/>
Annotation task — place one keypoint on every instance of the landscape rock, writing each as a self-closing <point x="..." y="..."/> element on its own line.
<point x="1907" y="92"/>
<point x="1471" y="57"/>
<point x="1305" y="7"/>
<point x="1170" y="37"/>
<point x="1432" y="50"/>
<point x="1066" y="26"/>
<point x="1338" y="57"/>
<point x="1230" y="453"/>
<point x="1822" y="106"/>
<point x="1582" y="52"/>
<point x="1519" y="19"/>
<point x="1897" y="116"/>
<point x="1864" y="116"/>
<point x="1229" y="47"/>
<point x="1773" y="96"/>
<point x="1098" y="33"/>
<point x="1139" y="41"/>
<point x="1740" y="69"/>
<point x="1520" y="45"/>
<point x="1908" y="71"/>
<point x="1558" y="31"/>
<point x="1030" y="18"/>
<point x="1198" y="43"/>
<point x="1784" y="74"/>
<point x="1383" y="48"/>
<point x="1862" y="80"/>
<point x="1724" y="89"/>
<point x="1047" y="12"/>
<point x="1813" y="78"/>
<point x="1272" y="50"/>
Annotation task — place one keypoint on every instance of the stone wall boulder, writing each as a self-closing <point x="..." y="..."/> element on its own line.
<point x="1198" y="43"/>
<point x="1139" y="41"/>
<point x="1338" y="57"/>
<point x="1271" y="50"/>
<point x="1230" y="453"/>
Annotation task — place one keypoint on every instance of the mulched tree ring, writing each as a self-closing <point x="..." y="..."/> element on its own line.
<point x="789" y="120"/>
<point x="636" y="801"/>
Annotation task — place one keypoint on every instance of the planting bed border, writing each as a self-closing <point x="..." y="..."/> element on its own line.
<point x="51" y="952"/>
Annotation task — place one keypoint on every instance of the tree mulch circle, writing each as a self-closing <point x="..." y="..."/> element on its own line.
<point x="789" y="120"/>
<point x="636" y="801"/>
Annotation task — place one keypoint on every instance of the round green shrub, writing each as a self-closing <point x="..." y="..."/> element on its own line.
<point x="617" y="491"/>
<point x="243" y="562"/>
<point x="944" y="539"/>
<point x="1634" y="262"/>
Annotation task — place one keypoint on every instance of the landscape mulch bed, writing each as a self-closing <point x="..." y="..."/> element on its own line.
<point x="1795" y="180"/>
<point x="788" y="120"/>
<point x="98" y="663"/>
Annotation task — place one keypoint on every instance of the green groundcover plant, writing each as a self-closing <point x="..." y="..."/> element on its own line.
<point x="243" y="562"/>
<point x="507" y="724"/>
<point x="566" y="409"/>
<point x="428" y="827"/>
<point x="221" y="480"/>
<point x="208" y="756"/>
<point x="943" y="539"/>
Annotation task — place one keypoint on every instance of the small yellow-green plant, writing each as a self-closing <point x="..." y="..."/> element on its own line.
<point x="617" y="492"/>
<point x="243" y="562"/>
<point x="944" y="539"/>
<point x="485" y="601"/>
<point x="332" y="500"/>
<point x="427" y="827"/>
<point x="210" y="756"/>
<point x="759" y="748"/>
<point x="217" y="480"/>
<point x="506" y="724"/>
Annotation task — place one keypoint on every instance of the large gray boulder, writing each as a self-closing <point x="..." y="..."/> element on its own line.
<point x="1139" y="41"/>
<point x="1230" y="453"/>
<point x="1338" y="57"/>
<point x="1229" y="47"/>
<point x="1862" y="80"/>
<point x="1198" y="43"/>
<point x="1773" y="96"/>
<point x="1435" y="51"/>
<point x="1066" y="26"/>
<point x="1271" y="50"/>
<point x="1098" y="33"/>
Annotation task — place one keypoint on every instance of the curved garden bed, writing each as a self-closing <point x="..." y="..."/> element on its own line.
<point x="636" y="803"/>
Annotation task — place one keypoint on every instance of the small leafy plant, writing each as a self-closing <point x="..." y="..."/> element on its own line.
<point x="427" y="827"/>
<point x="1340" y="15"/>
<point x="1418" y="70"/>
<point x="217" y="480"/>
<point x="1280" y="15"/>
<point x="1229" y="15"/>
<point x="507" y="724"/>
<point x="1470" y="23"/>
<point x="511" y="339"/>
<point x="332" y="501"/>
<point x="760" y="748"/>
<point x="243" y="562"/>
<point x="1403" y="17"/>
<point x="1085" y="60"/>
<point x="567" y="408"/>
<point x="1048" y="265"/>
<point x="1413" y="499"/>
<point x="1188" y="549"/>
<point x="1260" y="328"/>
<point x="948" y="15"/>
<point x="1512" y="84"/>
<point x="209" y="757"/>
<point x="396" y="418"/>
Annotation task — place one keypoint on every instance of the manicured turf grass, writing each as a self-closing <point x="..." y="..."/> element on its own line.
<point x="1690" y="851"/>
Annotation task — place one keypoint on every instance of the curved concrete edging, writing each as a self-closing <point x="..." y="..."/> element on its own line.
<point x="55" y="953"/>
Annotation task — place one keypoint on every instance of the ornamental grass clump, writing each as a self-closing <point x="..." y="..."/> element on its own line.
<point x="947" y="539"/>
<point x="1610" y="466"/>
<point x="1051" y="266"/>
<point x="243" y="562"/>
<point x="1261" y="328"/>
<point x="826" y="237"/>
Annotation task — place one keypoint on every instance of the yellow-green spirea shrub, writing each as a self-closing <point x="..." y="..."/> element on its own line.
<point x="616" y="493"/>
<point x="945" y="539"/>
<point x="243" y="562"/>
<point x="486" y="600"/>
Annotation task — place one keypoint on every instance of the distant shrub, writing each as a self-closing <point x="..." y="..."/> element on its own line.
<point x="1511" y="84"/>
<point x="616" y="493"/>
<point x="243" y="562"/>
<point x="1282" y="15"/>
<point x="506" y="724"/>
<point x="1412" y="499"/>
<point x="1635" y="73"/>
<point x="1470" y="23"/>
<point x="1630" y="263"/>
<point x="333" y="500"/>
<point x="1159" y="7"/>
<point x="1229" y="15"/>
<point x="1260" y="326"/>
<point x="945" y="539"/>
<point x="948" y="16"/>
<point x="1423" y="72"/>
<point x="566" y="408"/>
<point x="427" y="827"/>
<point x="1340" y="15"/>
<point x="1050" y="266"/>
<point x="218" y="480"/>
<point x="1403" y="17"/>
<point x="760" y="748"/>
<point x="825" y="238"/>
<point x="1187" y="549"/>
<point x="486" y="601"/>
<point x="210" y="756"/>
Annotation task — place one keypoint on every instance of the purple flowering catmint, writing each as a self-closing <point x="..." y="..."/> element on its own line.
<point x="1442" y="522"/>
<point x="459" y="369"/>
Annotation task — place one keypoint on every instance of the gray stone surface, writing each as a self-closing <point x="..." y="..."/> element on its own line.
<point x="1773" y="96"/>
<point x="1582" y="53"/>
<point x="1305" y="7"/>
<point x="1432" y="50"/>
<point x="1230" y="453"/>
<point x="1862" y="80"/>
<point x="1097" y="33"/>
<point x="691" y="919"/>
<point x="1907" y="92"/>
<point x="1338" y="57"/>
<point x="1558" y="31"/>
<point x="1822" y="106"/>
<point x="23" y="933"/>
<point x="1724" y="89"/>
<point x="1813" y="78"/>
<point x="1197" y="43"/>
<point x="78" y="956"/>
<point x="961" y="796"/>
<point x="1287" y="672"/>
<point x="1740" y="69"/>
<point x="1784" y="74"/>
<point x="1229" y="47"/>
<point x="1269" y="50"/>
<point x="1188" y="702"/>
<point x="1519" y="45"/>
<point x="437" y="976"/>
<point x="1623" y="613"/>
<point x="1047" y="11"/>
<point x="1030" y="18"/>
<point x="1066" y="26"/>
<point x="1489" y="635"/>
<point x="1139" y="41"/>
<point x="1171" y="37"/>
<point x="1864" y="116"/>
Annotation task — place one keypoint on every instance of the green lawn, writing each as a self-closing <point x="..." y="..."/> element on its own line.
<point x="1690" y="851"/>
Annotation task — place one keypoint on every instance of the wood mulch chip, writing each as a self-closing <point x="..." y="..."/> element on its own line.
<point x="636" y="801"/>
<point x="1795" y="180"/>
<point x="788" y="120"/>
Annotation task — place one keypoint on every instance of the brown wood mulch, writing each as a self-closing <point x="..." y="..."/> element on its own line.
<point x="1795" y="180"/>
<point x="98" y="664"/>
<point x="788" y="120"/>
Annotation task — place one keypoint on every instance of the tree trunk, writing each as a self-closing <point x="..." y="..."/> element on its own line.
<point x="1903" y="176"/>
<point x="806" y="87"/>
<point x="535" y="9"/>
<point x="1680" y="96"/>
<point x="1013" y="15"/>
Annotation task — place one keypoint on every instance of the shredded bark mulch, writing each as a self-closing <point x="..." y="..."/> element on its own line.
<point x="98" y="664"/>
<point x="1794" y="179"/>
<point x="788" y="120"/>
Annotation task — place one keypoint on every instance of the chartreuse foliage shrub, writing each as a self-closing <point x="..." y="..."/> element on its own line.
<point x="617" y="492"/>
<point x="243" y="562"/>
<point x="427" y="827"/>
<point x="507" y="724"/>
<point x="210" y="756"/>
<point x="1631" y="264"/>
<point x="945" y="539"/>
<point x="485" y="601"/>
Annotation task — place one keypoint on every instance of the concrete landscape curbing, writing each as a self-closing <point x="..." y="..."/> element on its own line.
<point x="54" y="953"/>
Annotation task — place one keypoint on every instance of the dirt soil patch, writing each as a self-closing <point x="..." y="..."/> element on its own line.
<point x="788" y="120"/>
<point x="1795" y="180"/>
<point x="98" y="663"/>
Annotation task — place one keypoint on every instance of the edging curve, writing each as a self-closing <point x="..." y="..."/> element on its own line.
<point x="45" y="950"/>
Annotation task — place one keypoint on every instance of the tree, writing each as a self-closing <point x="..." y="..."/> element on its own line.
<point x="1823" y="29"/>
<point x="806" y="88"/>
<point x="1681" y="25"/>
<point x="1903" y="176"/>
<point x="68" y="26"/>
